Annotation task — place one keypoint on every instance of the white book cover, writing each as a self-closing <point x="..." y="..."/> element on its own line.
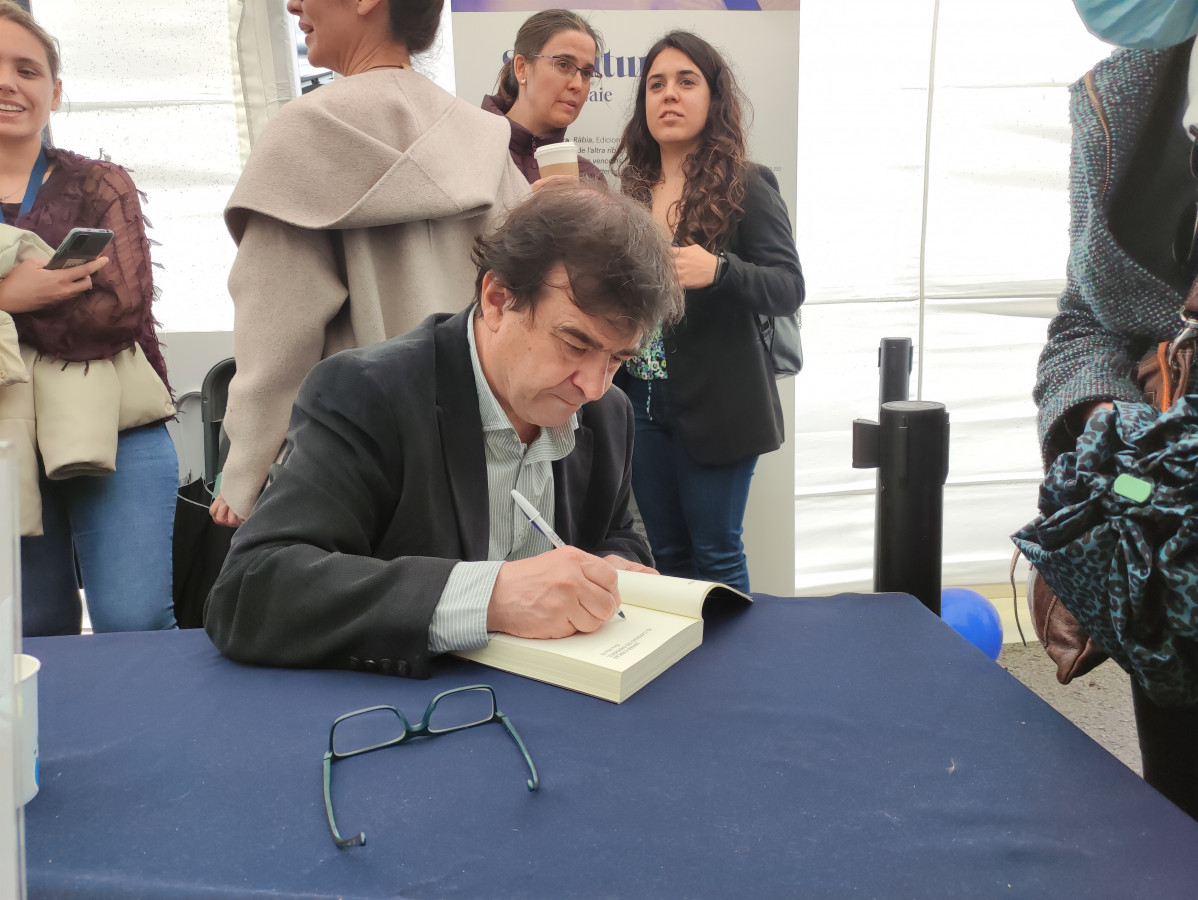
<point x="662" y="623"/>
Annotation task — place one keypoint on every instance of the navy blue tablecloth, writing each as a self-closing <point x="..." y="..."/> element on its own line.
<point x="842" y="746"/>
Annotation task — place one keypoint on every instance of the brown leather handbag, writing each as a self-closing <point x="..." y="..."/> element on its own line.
<point x="1060" y="634"/>
<point x="1162" y="375"/>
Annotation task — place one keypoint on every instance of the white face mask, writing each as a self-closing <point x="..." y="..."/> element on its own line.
<point x="1142" y="24"/>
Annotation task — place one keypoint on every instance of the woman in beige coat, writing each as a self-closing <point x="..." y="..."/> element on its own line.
<point x="354" y="218"/>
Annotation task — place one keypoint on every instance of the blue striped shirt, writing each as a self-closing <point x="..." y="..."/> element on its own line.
<point x="460" y="619"/>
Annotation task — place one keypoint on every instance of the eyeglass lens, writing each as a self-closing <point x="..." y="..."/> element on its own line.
<point x="461" y="709"/>
<point x="367" y="729"/>
<point x="567" y="69"/>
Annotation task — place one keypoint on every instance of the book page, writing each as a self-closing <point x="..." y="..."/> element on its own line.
<point x="616" y="645"/>
<point x="680" y="596"/>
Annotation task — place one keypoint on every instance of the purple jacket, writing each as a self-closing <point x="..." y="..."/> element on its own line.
<point x="524" y="143"/>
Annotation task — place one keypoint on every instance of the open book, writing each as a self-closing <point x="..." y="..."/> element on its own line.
<point x="663" y="621"/>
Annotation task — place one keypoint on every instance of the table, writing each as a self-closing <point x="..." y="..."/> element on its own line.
<point x="842" y="746"/>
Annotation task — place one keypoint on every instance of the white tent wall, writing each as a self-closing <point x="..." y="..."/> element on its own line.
<point x="149" y="84"/>
<point x="945" y="222"/>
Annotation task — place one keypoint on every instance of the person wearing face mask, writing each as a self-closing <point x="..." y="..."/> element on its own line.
<point x="1132" y="194"/>
<point x="1140" y="24"/>
<point x="105" y="471"/>
<point x="354" y="218"/>
<point x="703" y="391"/>
<point x="542" y="88"/>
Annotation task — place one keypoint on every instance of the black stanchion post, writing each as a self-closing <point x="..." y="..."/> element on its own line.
<point x="913" y="467"/>
<point x="895" y="358"/>
<point x="909" y="447"/>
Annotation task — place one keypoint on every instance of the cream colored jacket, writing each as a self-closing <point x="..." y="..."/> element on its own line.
<point x="70" y="412"/>
<point x="355" y="218"/>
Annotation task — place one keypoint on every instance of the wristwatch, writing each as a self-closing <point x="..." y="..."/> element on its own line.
<point x="721" y="266"/>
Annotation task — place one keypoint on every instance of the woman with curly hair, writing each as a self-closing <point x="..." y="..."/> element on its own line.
<point x="703" y="390"/>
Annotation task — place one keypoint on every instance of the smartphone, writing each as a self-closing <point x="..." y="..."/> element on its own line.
<point x="80" y="246"/>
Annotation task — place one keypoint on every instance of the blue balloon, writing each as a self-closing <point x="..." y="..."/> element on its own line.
<point x="973" y="617"/>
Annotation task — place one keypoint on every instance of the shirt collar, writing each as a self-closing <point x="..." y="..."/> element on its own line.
<point x="561" y="437"/>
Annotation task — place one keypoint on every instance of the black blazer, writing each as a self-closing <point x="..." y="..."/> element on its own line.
<point x="721" y="380"/>
<point x="382" y="489"/>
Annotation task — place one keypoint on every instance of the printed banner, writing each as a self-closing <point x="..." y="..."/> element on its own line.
<point x="759" y="39"/>
<point x="528" y="5"/>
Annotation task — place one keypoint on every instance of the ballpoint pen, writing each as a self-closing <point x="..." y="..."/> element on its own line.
<point x="538" y="522"/>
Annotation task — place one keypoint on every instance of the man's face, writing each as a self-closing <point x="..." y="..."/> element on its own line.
<point x="543" y="363"/>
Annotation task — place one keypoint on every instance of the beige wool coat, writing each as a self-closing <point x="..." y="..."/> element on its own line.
<point x="354" y="219"/>
<point x="68" y="412"/>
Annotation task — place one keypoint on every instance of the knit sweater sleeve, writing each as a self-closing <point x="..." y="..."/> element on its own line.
<point x="1082" y="362"/>
<point x="286" y="289"/>
<point x="1087" y="356"/>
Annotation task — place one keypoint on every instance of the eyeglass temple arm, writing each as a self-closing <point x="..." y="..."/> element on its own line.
<point x="534" y="782"/>
<point x="357" y="840"/>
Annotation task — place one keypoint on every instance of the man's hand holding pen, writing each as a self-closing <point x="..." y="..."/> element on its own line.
<point x="556" y="594"/>
<point x="553" y="595"/>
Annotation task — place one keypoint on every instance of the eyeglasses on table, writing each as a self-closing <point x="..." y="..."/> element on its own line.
<point x="379" y="727"/>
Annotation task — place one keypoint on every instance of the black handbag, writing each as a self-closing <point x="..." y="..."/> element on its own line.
<point x="200" y="548"/>
<point x="782" y="343"/>
<point x="200" y="545"/>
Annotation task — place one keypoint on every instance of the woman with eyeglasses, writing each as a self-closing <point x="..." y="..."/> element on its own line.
<point x="703" y="391"/>
<point x="354" y="218"/>
<point x="542" y="88"/>
<point x="1131" y="262"/>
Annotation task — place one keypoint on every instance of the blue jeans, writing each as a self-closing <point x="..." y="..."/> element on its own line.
<point x="693" y="513"/>
<point x="119" y="527"/>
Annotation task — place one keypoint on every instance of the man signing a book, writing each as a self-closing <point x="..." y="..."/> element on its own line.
<point x="387" y="532"/>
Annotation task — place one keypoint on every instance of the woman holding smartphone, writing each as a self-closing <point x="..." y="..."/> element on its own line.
<point x="542" y="88"/>
<point x="116" y="528"/>
<point x="703" y="391"/>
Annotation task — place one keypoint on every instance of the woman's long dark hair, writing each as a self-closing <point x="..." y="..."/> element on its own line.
<point x="715" y="170"/>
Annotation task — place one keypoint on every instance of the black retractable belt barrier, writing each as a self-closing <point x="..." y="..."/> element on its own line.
<point x="895" y="357"/>
<point x="909" y="448"/>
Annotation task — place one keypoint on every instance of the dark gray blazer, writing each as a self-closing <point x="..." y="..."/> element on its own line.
<point x="382" y="489"/>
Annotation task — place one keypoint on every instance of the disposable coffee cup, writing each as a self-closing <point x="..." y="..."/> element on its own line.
<point x="25" y="736"/>
<point x="557" y="159"/>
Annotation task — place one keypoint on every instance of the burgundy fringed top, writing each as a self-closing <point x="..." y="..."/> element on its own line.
<point x="115" y="313"/>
